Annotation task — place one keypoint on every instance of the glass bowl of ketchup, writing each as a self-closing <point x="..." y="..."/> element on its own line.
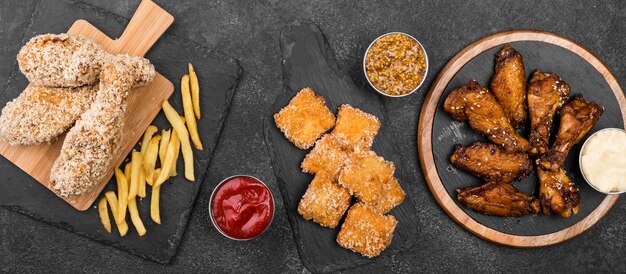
<point x="241" y="207"/>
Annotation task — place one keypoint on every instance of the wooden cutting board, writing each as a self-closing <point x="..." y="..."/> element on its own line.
<point x="146" y="26"/>
<point x="438" y="133"/>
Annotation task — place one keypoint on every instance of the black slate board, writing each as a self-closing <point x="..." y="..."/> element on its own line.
<point x="574" y="70"/>
<point x="308" y="62"/>
<point x="218" y="76"/>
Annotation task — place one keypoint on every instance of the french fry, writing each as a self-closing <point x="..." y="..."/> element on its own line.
<point x="134" y="217"/>
<point x="176" y="153"/>
<point x="188" y="111"/>
<point x="127" y="169"/>
<point x="147" y="136"/>
<point x="155" y="213"/>
<point x="169" y="160"/>
<point x="122" y="192"/>
<point x="141" y="192"/>
<point x="195" y="91"/>
<point x="104" y="214"/>
<point x="135" y="173"/>
<point x="165" y="140"/>
<point x="113" y="203"/>
<point x="181" y="130"/>
<point x="150" y="158"/>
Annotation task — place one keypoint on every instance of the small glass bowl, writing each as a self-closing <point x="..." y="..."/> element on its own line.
<point x="580" y="163"/>
<point x="380" y="91"/>
<point x="211" y="207"/>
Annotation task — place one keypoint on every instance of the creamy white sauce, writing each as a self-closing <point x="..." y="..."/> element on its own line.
<point x="603" y="160"/>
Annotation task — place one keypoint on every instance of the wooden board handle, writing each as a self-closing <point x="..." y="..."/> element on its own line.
<point x="146" y="27"/>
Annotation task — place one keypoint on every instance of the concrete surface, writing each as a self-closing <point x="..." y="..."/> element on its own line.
<point x="248" y="30"/>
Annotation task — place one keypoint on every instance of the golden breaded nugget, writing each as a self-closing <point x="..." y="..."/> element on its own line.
<point x="355" y="129"/>
<point x="324" y="201"/>
<point x="365" y="175"/>
<point x="392" y="195"/>
<point x="366" y="231"/>
<point x="326" y="157"/>
<point x="305" y="118"/>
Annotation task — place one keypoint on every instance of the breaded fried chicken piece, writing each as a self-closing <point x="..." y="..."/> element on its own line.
<point x="508" y="85"/>
<point x="480" y="108"/>
<point x="498" y="199"/>
<point x="546" y="94"/>
<point x="90" y="145"/>
<point x="489" y="162"/>
<point x="61" y="60"/>
<point x="40" y="114"/>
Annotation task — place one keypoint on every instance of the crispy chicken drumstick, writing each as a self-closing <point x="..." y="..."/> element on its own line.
<point x="89" y="146"/>
<point x="41" y="113"/>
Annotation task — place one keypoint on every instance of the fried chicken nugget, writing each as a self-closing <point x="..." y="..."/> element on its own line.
<point x="305" y="118"/>
<point x="355" y="128"/>
<point x="365" y="176"/>
<point x="366" y="231"/>
<point x="324" y="201"/>
<point x="326" y="157"/>
<point x="89" y="146"/>
<point x="391" y="196"/>
<point x="40" y="114"/>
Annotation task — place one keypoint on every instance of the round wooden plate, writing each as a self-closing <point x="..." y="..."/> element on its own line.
<point x="437" y="132"/>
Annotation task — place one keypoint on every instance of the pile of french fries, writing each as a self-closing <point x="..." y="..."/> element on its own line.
<point x="142" y="170"/>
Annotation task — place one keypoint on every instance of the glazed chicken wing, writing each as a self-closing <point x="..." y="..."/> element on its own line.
<point x="498" y="199"/>
<point x="491" y="163"/>
<point x="508" y="85"/>
<point x="476" y="104"/>
<point x="546" y="94"/>
<point x="557" y="192"/>
<point x="577" y="117"/>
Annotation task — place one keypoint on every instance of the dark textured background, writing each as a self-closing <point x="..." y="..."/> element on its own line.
<point x="248" y="30"/>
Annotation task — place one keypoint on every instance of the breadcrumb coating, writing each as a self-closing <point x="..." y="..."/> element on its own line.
<point x="366" y="231"/>
<point x="305" y="118"/>
<point x="61" y="60"/>
<point x="365" y="176"/>
<point x="327" y="157"/>
<point x="324" y="201"/>
<point x="90" y="145"/>
<point x="40" y="114"/>
<point x="355" y="129"/>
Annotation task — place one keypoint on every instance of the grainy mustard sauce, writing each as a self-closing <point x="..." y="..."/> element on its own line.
<point x="395" y="64"/>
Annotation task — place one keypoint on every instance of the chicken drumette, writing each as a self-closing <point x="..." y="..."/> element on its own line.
<point x="489" y="162"/>
<point x="557" y="192"/>
<point x="498" y="199"/>
<point x="546" y="94"/>
<point x="508" y="85"/>
<point x="476" y="104"/>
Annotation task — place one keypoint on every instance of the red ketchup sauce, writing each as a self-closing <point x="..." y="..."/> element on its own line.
<point x="242" y="207"/>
